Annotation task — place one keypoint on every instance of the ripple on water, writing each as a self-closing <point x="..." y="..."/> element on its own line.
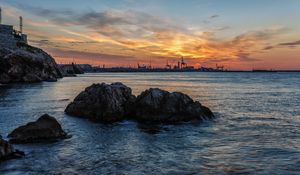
<point x="256" y="130"/>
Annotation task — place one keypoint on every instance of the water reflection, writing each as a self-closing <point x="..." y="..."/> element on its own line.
<point x="256" y="130"/>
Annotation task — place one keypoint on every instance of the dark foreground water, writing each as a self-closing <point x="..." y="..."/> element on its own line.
<point x="257" y="129"/>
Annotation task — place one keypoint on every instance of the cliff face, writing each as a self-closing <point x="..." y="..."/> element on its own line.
<point x="27" y="64"/>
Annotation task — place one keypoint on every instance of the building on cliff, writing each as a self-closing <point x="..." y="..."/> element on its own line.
<point x="9" y="37"/>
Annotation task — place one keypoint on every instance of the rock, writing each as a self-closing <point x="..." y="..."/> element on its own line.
<point x="115" y="102"/>
<point x="103" y="103"/>
<point x="70" y="70"/>
<point x="159" y="106"/>
<point x="77" y="69"/>
<point x="27" y="64"/>
<point x="7" y="151"/>
<point x="46" y="128"/>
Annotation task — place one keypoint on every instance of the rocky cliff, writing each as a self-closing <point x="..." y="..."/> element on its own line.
<point x="27" y="64"/>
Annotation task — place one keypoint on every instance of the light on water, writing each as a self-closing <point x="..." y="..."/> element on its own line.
<point x="256" y="131"/>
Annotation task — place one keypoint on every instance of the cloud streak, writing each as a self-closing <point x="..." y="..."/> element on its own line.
<point x="296" y="43"/>
<point x="283" y="45"/>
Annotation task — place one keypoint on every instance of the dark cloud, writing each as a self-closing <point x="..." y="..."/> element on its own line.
<point x="48" y="12"/>
<point x="296" y="43"/>
<point x="83" y="42"/>
<point x="250" y="40"/>
<point x="61" y="16"/>
<point x="245" y="57"/>
<point x="89" y="55"/>
<point x="112" y="23"/>
<point x="40" y="42"/>
<point x="287" y="44"/>
<point x="255" y="35"/>
<point x="214" y="16"/>
<point x="210" y="19"/>
<point x="268" y="48"/>
<point x="223" y="28"/>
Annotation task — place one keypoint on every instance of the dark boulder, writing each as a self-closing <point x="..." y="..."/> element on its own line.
<point x="7" y="151"/>
<point x="45" y="129"/>
<point x="27" y="64"/>
<point x="159" y="106"/>
<point x="103" y="103"/>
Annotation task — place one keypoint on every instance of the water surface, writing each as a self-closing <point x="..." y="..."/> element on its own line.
<point x="257" y="129"/>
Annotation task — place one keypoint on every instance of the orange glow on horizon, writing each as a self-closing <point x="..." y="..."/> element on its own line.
<point x="128" y="37"/>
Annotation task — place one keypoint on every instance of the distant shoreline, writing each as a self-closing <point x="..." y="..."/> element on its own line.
<point x="177" y="71"/>
<point x="87" y="68"/>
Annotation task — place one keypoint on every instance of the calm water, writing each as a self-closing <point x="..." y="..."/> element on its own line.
<point x="257" y="129"/>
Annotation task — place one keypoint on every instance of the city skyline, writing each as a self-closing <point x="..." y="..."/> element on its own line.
<point x="239" y="35"/>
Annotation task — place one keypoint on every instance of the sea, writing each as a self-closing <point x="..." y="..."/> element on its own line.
<point x="256" y="129"/>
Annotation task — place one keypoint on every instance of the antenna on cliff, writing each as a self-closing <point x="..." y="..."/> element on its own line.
<point x="0" y="16"/>
<point x="21" y="24"/>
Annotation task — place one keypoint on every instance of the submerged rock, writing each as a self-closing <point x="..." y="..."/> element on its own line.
<point x="7" y="151"/>
<point x="103" y="103"/>
<point x="27" y="64"/>
<point x="46" y="128"/>
<point x="159" y="106"/>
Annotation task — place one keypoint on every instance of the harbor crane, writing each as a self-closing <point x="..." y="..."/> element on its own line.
<point x="220" y="67"/>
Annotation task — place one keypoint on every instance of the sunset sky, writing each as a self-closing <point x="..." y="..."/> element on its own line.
<point x="240" y="34"/>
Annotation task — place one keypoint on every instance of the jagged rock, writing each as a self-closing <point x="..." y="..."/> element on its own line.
<point x="45" y="129"/>
<point x="159" y="106"/>
<point x="27" y="64"/>
<point x="7" y="151"/>
<point x="103" y="103"/>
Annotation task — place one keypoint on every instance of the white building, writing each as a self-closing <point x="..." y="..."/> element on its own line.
<point x="9" y="37"/>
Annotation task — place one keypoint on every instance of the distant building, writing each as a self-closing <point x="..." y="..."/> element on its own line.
<point x="9" y="37"/>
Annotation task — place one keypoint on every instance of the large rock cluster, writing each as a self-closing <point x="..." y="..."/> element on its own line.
<point x="45" y="129"/>
<point x="115" y="102"/>
<point x="27" y="64"/>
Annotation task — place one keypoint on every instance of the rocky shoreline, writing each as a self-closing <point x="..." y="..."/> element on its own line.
<point x="27" y="64"/>
<point x="105" y="103"/>
<point x="110" y="103"/>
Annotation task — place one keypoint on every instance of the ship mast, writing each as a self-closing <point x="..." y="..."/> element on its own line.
<point x="0" y="16"/>
<point x="21" y="24"/>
